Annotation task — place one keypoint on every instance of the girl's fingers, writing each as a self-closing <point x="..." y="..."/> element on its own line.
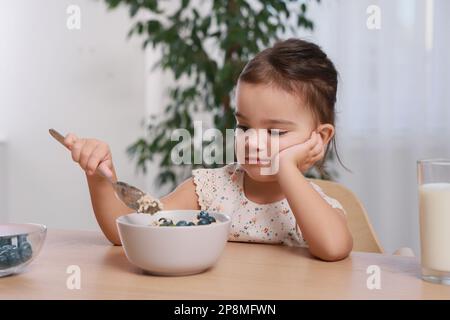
<point x="317" y="149"/>
<point x="86" y="152"/>
<point x="98" y="154"/>
<point x="310" y="141"/>
<point x="104" y="168"/>
<point x="304" y="168"/>
<point x="315" y="153"/>
<point x="70" y="140"/>
<point x="313" y="140"/>
<point x="76" y="149"/>
<point x="320" y="154"/>
<point x="317" y="158"/>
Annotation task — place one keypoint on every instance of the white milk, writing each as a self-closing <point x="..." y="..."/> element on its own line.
<point x="435" y="225"/>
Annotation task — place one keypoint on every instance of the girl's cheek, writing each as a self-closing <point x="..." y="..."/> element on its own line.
<point x="283" y="143"/>
<point x="239" y="147"/>
<point x="289" y="141"/>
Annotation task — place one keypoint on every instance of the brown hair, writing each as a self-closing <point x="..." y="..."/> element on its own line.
<point x="301" y="68"/>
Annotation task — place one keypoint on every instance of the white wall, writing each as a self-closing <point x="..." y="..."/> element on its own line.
<point x="156" y="98"/>
<point x="3" y="186"/>
<point x="90" y="81"/>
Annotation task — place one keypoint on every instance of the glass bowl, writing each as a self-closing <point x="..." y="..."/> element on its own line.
<point x="19" y="246"/>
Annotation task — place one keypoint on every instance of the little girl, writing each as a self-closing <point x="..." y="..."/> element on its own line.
<point x="289" y="91"/>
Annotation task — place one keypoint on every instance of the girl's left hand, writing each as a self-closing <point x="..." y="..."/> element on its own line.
<point x="303" y="155"/>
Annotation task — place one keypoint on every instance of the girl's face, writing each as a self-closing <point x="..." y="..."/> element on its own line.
<point x="268" y="108"/>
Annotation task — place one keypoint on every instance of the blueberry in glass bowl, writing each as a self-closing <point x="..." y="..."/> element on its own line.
<point x="19" y="245"/>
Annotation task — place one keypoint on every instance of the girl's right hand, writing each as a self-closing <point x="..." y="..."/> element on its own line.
<point x="303" y="155"/>
<point x="93" y="156"/>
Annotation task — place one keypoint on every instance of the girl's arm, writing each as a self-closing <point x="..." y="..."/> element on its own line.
<point x="323" y="227"/>
<point x="93" y="156"/>
<point x="108" y="208"/>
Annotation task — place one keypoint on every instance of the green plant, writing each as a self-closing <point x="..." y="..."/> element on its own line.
<point x="238" y="29"/>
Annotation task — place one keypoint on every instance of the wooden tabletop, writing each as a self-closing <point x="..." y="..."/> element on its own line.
<point x="244" y="271"/>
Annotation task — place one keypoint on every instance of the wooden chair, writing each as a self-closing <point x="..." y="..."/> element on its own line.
<point x="364" y="237"/>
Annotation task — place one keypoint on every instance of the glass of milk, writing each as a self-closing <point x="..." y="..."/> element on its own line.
<point x="434" y="211"/>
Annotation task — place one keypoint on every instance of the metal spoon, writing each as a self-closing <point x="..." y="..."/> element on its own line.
<point x="128" y="194"/>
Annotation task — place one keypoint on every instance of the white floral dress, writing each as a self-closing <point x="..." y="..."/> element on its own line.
<point x="221" y="190"/>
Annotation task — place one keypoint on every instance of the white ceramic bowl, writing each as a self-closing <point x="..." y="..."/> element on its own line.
<point x="20" y="244"/>
<point x="173" y="251"/>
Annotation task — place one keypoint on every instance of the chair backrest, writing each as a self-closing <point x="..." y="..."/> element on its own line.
<point x="364" y="237"/>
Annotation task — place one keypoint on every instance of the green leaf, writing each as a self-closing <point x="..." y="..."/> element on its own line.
<point x="153" y="26"/>
<point x="184" y="3"/>
<point x="113" y="3"/>
<point x="303" y="8"/>
<point x="151" y="5"/>
<point x="134" y="8"/>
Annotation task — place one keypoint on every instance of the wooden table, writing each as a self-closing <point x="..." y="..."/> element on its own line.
<point x="244" y="271"/>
